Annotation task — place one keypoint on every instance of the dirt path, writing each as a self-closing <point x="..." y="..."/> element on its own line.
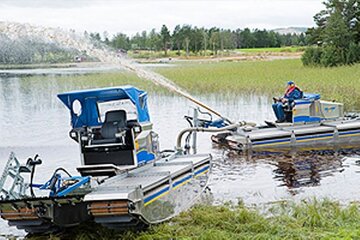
<point x="264" y="56"/>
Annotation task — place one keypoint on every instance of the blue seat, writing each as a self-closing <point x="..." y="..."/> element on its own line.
<point x="308" y="98"/>
<point x="311" y="96"/>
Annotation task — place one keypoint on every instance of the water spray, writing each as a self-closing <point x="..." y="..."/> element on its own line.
<point x="70" y="39"/>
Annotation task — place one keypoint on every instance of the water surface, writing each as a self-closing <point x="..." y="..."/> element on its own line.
<point x="33" y="120"/>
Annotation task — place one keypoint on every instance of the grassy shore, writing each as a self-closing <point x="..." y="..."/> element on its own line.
<point x="304" y="220"/>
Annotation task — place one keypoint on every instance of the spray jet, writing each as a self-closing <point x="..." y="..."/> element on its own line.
<point x="70" y="39"/>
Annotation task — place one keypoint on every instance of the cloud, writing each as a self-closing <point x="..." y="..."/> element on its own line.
<point x="46" y="3"/>
<point x="134" y="16"/>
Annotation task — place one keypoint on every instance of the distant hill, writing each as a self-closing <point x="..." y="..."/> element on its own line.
<point x="291" y="30"/>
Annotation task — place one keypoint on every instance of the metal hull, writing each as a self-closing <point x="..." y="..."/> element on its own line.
<point x="325" y="135"/>
<point x="145" y="195"/>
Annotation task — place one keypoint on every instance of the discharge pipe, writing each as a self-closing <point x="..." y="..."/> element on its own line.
<point x="201" y="129"/>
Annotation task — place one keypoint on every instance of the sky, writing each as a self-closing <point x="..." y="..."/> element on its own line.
<point x="134" y="16"/>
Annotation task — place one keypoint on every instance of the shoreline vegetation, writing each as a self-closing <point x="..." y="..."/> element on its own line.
<point x="244" y="77"/>
<point x="311" y="219"/>
<point x="147" y="56"/>
<point x="268" y="78"/>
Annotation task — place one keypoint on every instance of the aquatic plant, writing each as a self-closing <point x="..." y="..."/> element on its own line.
<point x="267" y="78"/>
<point x="247" y="77"/>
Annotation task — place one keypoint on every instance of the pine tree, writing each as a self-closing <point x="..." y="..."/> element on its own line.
<point x="165" y="38"/>
<point x="336" y="35"/>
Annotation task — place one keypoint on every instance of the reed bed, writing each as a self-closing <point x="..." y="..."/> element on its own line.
<point x="268" y="78"/>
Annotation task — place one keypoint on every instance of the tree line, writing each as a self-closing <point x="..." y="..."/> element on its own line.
<point x="197" y="40"/>
<point x="336" y="38"/>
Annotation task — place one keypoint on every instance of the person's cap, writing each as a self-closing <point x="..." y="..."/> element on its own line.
<point x="290" y="83"/>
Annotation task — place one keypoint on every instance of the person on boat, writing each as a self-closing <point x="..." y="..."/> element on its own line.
<point x="292" y="93"/>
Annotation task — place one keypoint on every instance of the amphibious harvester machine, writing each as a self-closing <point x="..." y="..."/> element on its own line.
<point x="124" y="179"/>
<point x="311" y="124"/>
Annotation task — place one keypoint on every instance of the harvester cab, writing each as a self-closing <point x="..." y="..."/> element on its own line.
<point x="113" y="129"/>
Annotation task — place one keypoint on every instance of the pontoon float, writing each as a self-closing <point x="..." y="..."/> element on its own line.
<point x="124" y="180"/>
<point x="311" y="124"/>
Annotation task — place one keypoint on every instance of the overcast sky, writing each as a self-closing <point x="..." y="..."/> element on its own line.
<point x="136" y="15"/>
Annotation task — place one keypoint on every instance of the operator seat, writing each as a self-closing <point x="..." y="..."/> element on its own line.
<point x="114" y="121"/>
<point x="115" y="149"/>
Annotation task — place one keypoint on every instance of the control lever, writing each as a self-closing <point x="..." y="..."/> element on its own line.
<point x="34" y="161"/>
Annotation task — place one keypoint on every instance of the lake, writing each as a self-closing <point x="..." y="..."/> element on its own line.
<point x="33" y="121"/>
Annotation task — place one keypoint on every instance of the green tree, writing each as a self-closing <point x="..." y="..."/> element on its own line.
<point x="120" y="41"/>
<point x="177" y="38"/>
<point x="205" y="40"/>
<point x="247" y="39"/>
<point x="312" y="56"/>
<point x="154" y="40"/>
<point x="215" y="40"/>
<point x="95" y="37"/>
<point x="185" y="32"/>
<point x="337" y="33"/>
<point x="196" y="37"/>
<point x="165" y="38"/>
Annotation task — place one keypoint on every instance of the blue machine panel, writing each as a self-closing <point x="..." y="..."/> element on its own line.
<point x="88" y="99"/>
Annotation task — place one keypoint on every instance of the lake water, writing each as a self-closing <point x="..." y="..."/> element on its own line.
<point x="33" y="121"/>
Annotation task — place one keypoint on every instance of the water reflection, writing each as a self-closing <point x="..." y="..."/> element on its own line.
<point x="264" y="177"/>
<point x="306" y="168"/>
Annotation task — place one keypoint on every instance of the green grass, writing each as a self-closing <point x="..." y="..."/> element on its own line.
<point x="268" y="78"/>
<point x="304" y="220"/>
<point x="246" y="77"/>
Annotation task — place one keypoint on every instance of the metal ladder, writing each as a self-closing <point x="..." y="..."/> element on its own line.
<point x="12" y="184"/>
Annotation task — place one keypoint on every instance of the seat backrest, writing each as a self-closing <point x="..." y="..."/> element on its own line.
<point x="114" y="120"/>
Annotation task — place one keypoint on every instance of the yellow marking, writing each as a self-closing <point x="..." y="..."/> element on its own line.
<point x="136" y="145"/>
<point x="154" y="199"/>
<point x="302" y="140"/>
<point x="314" y="139"/>
<point x="350" y="134"/>
<point x="182" y="184"/>
<point x="202" y="173"/>
<point x="271" y="144"/>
